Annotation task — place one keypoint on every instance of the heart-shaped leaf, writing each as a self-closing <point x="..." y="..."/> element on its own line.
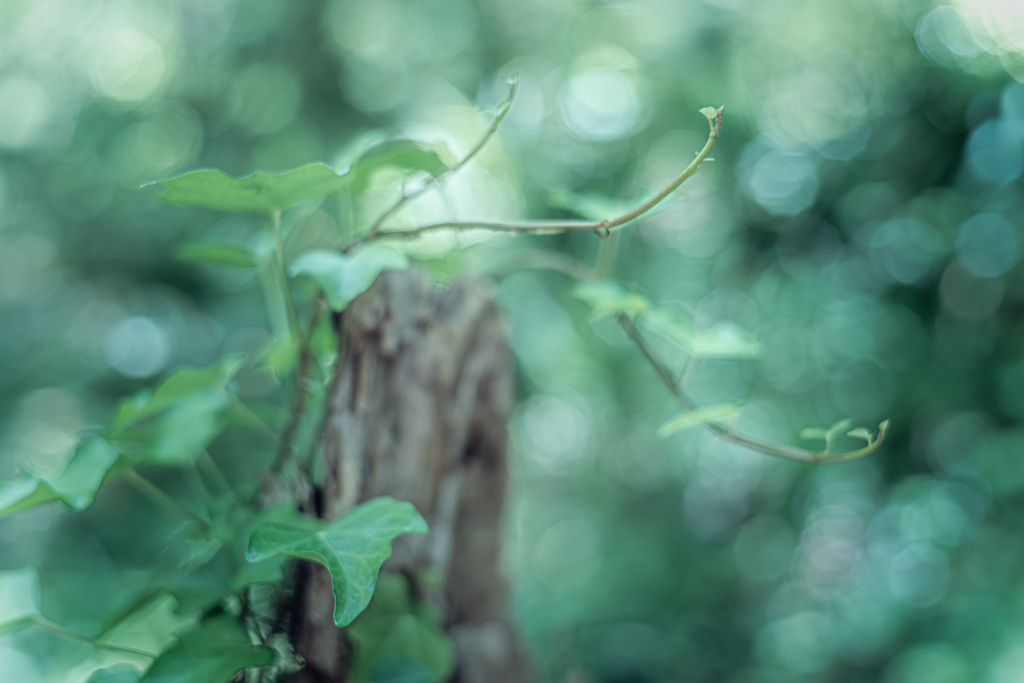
<point x="343" y="277"/>
<point x="699" y="416"/>
<point x="213" y="653"/>
<point x="352" y="547"/>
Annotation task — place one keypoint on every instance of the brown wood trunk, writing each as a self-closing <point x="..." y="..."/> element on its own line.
<point x="417" y="411"/>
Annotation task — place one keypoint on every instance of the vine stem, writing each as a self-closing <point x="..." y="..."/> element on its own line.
<point x="286" y="449"/>
<point x="293" y="316"/>
<point x="727" y="433"/>
<point x="602" y="228"/>
<point x="42" y="621"/>
<point x="439" y="179"/>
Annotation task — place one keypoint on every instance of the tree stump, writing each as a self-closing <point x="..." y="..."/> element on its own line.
<point x="417" y="410"/>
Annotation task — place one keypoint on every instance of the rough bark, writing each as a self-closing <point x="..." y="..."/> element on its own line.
<point x="417" y="411"/>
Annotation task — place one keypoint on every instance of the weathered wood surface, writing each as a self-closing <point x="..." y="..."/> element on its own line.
<point x="417" y="411"/>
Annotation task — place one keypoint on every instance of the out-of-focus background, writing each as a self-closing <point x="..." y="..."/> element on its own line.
<point x="862" y="219"/>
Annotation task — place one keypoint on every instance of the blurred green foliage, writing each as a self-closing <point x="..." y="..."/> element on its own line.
<point x="861" y="222"/>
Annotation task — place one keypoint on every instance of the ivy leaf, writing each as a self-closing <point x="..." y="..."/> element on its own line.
<point x="830" y="435"/>
<point x="85" y="472"/>
<point x="263" y="192"/>
<point x="94" y="463"/>
<point x="399" y="639"/>
<point x="698" y="416"/>
<point x="260" y="192"/>
<point x="152" y="626"/>
<point x="24" y="492"/>
<point x="220" y="253"/>
<point x="186" y="429"/>
<point x="343" y="277"/>
<point x="213" y="653"/>
<point x="352" y="547"/>
<point x="175" y="390"/>
<point x="813" y="434"/>
<point x="119" y="673"/>
<point x="862" y="433"/>
<point x="606" y="296"/>
<point x="406" y="155"/>
<point x="19" y="598"/>
<point x="723" y="341"/>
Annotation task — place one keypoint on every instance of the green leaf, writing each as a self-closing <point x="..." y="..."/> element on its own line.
<point x="813" y="433"/>
<point x="19" y="598"/>
<point x="119" y="673"/>
<point x="186" y="429"/>
<point x="281" y="355"/>
<point x="405" y="155"/>
<point x="260" y="192"/>
<point x="723" y="341"/>
<point x="606" y="296"/>
<point x="85" y="472"/>
<point x="264" y="192"/>
<point x="23" y="493"/>
<point x="352" y="547"/>
<point x="179" y="387"/>
<point x="862" y="433"/>
<point x="94" y="463"/>
<point x="220" y="253"/>
<point x="343" y="277"/>
<point x="153" y="626"/>
<point x="213" y="653"/>
<point x="829" y="435"/>
<point x="400" y="639"/>
<point x="193" y="553"/>
<point x="699" y="416"/>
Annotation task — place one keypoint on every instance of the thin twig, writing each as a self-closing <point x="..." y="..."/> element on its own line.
<point x="287" y="446"/>
<point x="727" y="433"/>
<point x="503" y="110"/>
<point x="602" y="228"/>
